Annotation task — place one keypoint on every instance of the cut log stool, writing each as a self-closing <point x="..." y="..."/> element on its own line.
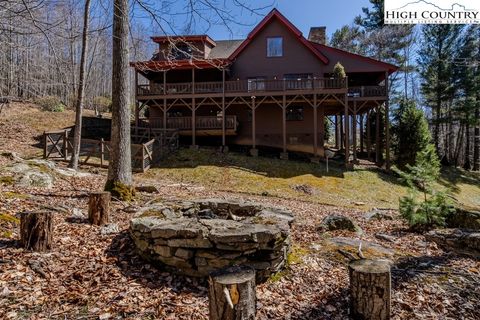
<point x="370" y="286"/>
<point x="232" y="294"/>
<point x="99" y="208"/>
<point x="36" y="230"/>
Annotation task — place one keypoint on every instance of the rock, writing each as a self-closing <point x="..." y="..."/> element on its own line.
<point x="34" y="178"/>
<point x="457" y="240"/>
<point x="464" y="218"/>
<point x="376" y="214"/>
<point x="338" y="222"/>
<point x="304" y="188"/>
<point x="109" y="228"/>
<point x="78" y="214"/>
<point x="184" y="253"/>
<point x="164" y="251"/>
<point x="190" y="243"/>
<point x="369" y="249"/>
<point x="385" y="237"/>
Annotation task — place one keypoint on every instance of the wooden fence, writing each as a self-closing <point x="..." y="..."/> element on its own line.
<point x="58" y="145"/>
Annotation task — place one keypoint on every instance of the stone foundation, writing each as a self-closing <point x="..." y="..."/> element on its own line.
<point x="195" y="238"/>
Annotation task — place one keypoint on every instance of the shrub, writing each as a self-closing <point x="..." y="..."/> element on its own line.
<point x="424" y="207"/>
<point x="51" y="104"/>
<point x="339" y="71"/>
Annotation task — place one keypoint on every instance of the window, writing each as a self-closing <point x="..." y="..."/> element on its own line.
<point x="294" y="113"/>
<point x="256" y="83"/>
<point x="275" y="47"/>
<point x="181" y="51"/>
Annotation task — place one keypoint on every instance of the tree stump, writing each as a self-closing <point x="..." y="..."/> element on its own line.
<point x="36" y="230"/>
<point x="232" y="294"/>
<point x="370" y="285"/>
<point x="99" y="208"/>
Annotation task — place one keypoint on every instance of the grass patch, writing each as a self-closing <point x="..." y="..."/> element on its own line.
<point x="274" y="177"/>
<point x="14" y="195"/>
<point x="296" y="255"/>
<point x="5" y="217"/>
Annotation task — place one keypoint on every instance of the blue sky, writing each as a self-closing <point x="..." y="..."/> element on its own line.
<point x="303" y="13"/>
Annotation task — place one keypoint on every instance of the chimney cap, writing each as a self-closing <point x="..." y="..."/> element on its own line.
<point x="318" y="34"/>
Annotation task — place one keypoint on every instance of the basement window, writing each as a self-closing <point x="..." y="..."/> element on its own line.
<point x="295" y="113"/>
<point x="275" y="47"/>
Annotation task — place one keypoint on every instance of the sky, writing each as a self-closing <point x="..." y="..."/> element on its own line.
<point x="302" y="13"/>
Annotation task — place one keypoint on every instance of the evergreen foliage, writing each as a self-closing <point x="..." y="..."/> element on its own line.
<point x="424" y="207"/>
<point x="339" y="71"/>
<point x="411" y="133"/>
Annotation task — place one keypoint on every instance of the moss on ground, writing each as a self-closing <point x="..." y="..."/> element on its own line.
<point x="14" y="195"/>
<point x="120" y="191"/>
<point x="7" y="180"/>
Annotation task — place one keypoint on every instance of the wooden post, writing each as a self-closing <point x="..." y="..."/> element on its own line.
<point x="377" y="135"/>
<point x="102" y="152"/>
<point x="315" y="126"/>
<point x="194" y="109"/>
<point x="322" y="131"/>
<point x="362" y="143"/>
<point x="45" y="144"/>
<point x="36" y="230"/>
<point x="253" y="152"/>
<point x="99" y="208"/>
<point x="369" y="138"/>
<point x="232" y="294"/>
<point x="370" y="289"/>
<point x="354" y="129"/>
<point x="223" y="111"/>
<point x="337" y="133"/>
<point x="347" y="133"/>
<point x="342" y="134"/>
<point x="65" y="144"/>
<point x="387" y="124"/>
<point x="284" y="154"/>
<point x="165" y="102"/>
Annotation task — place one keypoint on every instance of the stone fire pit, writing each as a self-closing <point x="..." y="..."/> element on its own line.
<point x="197" y="237"/>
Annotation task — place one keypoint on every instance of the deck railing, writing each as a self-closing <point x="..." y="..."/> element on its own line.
<point x="201" y="123"/>
<point x="367" y="91"/>
<point x="240" y="86"/>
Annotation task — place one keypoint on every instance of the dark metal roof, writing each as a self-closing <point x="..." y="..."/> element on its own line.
<point x="224" y="49"/>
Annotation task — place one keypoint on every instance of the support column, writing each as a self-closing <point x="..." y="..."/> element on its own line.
<point x="362" y="143"/>
<point x="369" y="138"/>
<point x="347" y="134"/>
<point x="377" y="135"/>
<point x="321" y="125"/>
<point x="315" y="127"/>
<point x="194" y="109"/>
<point x="387" y="125"/>
<point x="165" y="103"/>
<point x="254" y="150"/>
<point x="284" y="154"/>
<point x="224" y="147"/>
<point x="354" y="130"/>
<point x="337" y="133"/>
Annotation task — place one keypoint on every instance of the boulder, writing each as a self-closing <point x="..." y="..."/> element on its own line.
<point x="35" y="178"/>
<point x="376" y="214"/>
<point x="457" y="240"/>
<point x="464" y="218"/>
<point x="369" y="249"/>
<point x="338" y="222"/>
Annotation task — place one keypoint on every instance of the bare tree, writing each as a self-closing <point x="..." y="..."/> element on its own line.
<point x="77" y="136"/>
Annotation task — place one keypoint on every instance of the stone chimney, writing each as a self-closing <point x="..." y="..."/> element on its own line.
<point x="318" y="35"/>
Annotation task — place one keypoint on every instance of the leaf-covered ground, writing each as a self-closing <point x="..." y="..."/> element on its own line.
<point x="88" y="275"/>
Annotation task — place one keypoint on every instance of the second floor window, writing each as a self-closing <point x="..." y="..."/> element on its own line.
<point x="275" y="47"/>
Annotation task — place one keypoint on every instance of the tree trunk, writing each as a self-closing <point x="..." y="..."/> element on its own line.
<point x="120" y="167"/>
<point x="36" y="230"/>
<point x="476" y="138"/>
<point x="370" y="285"/>
<point x="232" y="294"/>
<point x="467" y="164"/>
<point x="77" y="135"/>
<point x="99" y="208"/>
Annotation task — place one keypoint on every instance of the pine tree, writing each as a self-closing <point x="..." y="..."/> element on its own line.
<point x="424" y="207"/>
<point x="436" y="69"/>
<point x="348" y="38"/>
<point x="411" y="133"/>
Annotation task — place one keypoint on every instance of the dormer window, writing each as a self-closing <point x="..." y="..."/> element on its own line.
<point x="275" y="47"/>
<point x="181" y="51"/>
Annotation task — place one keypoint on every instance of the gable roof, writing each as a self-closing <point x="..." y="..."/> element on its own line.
<point x="275" y="14"/>
<point x="331" y="51"/>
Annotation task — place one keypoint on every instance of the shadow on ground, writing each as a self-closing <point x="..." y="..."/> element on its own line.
<point x="132" y="266"/>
